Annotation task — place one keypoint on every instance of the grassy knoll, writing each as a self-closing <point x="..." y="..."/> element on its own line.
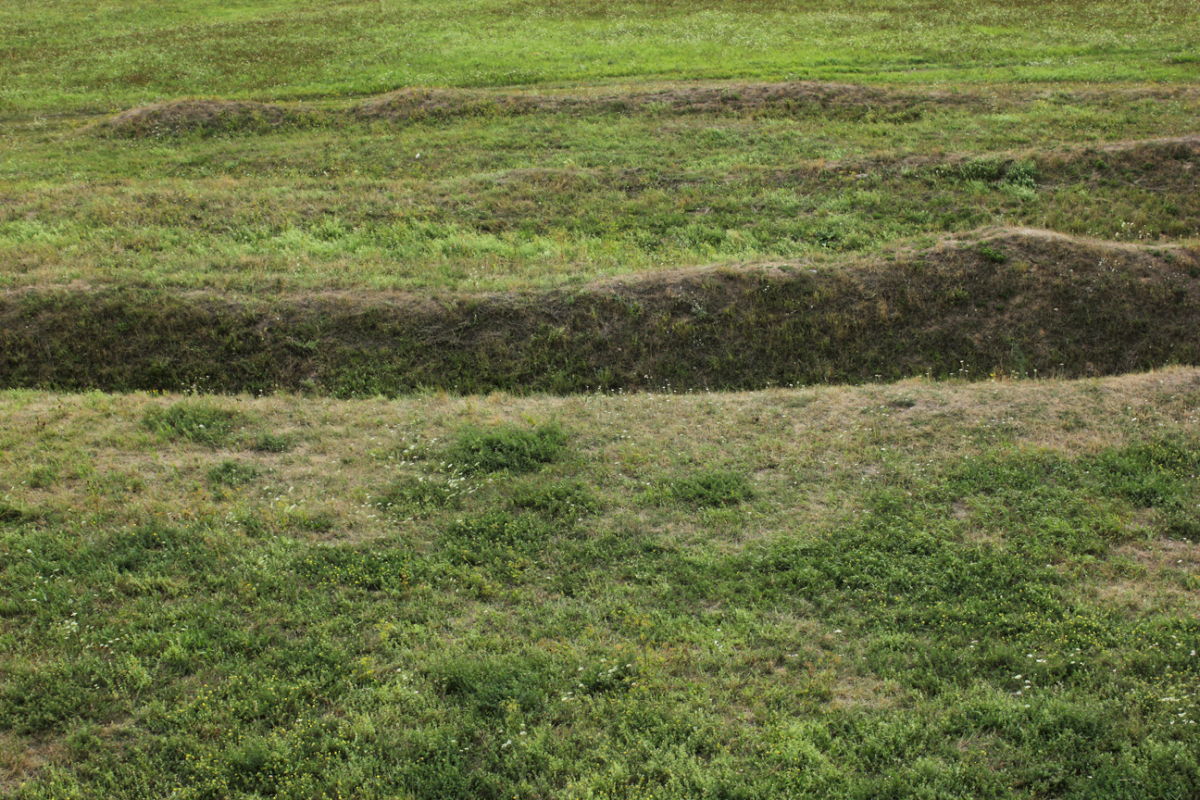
<point x="244" y="247"/>
<point x="290" y="147"/>
<point x="940" y="589"/>
<point x="507" y="192"/>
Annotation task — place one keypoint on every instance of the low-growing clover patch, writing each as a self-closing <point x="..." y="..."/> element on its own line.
<point x="1076" y="505"/>
<point x="492" y="536"/>
<point x="497" y="685"/>
<point x="1153" y="474"/>
<point x="330" y="567"/>
<point x="39" y="700"/>
<point x="507" y="448"/>
<point x="155" y="547"/>
<point x="1163" y="475"/>
<point x="906" y="562"/>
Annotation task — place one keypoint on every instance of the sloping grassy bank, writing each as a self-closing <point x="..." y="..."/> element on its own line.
<point x="1009" y="302"/>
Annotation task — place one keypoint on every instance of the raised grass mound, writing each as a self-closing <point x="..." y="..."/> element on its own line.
<point x="835" y="101"/>
<point x="204" y="117"/>
<point x="1009" y="301"/>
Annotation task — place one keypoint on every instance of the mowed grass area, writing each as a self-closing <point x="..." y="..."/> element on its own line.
<point x="922" y="589"/>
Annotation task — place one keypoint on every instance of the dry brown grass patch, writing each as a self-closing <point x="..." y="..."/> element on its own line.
<point x="1159" y="554"/>
<point x="864" y="692"/>
<point x="1148" y="576"/>
<point x="421" y="103"/>
<point x="807" y="453"/>
<point x="22" y="759"/>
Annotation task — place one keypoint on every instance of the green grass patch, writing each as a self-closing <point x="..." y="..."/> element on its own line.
<point x="713" y="488"/>
<point x="371" y="570"/>
<point x="411" y="494"/>
<point x="232" y="473"/>
<point x="511" y="449"/>
<point x="497" y="686"/>
<point x="12" y="514"/>
<point x="559" y="500"/>
<point x="493" y="536"/>
<point x="196" y="421"/>
<point x="272" y="443"/>
<point x="952" y="579"/>
<point x="128" y="54"/>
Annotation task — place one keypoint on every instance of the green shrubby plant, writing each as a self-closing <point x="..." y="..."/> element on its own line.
<point x="497" y="686"/>
<point x="417" y="494"/>
<point x="560" y="500"/>
<point x="355" y="567"/>
<point x="272" y="443"/>
<point x="493" y="536"/>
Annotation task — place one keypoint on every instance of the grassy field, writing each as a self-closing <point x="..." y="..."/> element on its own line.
<point x="426" y="400"/>
<point x="923" y="589"/>
<point x="509" y="192"/>
<point x="74" y="56"/>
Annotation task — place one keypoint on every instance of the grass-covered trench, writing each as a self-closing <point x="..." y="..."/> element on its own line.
<point x="922" y="589"/>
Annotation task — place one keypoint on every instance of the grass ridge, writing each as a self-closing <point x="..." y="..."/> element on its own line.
<point x="1008" y="302"/>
